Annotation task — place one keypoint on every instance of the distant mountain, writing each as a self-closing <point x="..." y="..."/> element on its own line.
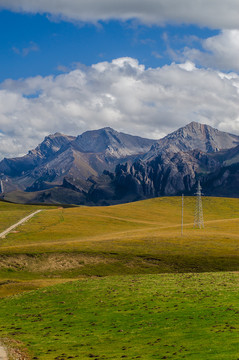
<point x="111" y="143"/>
<point x="173" y="165"/>
<point x="43" y="153"/>
<point x="60" y="158"/>
<point x="169" y="174"/>
<point x="166" y="174"/>
<point x="194" y="136"/>
<point x="108" y="167"/>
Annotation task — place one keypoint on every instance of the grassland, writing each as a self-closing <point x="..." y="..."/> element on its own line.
<point x="165" y="304"/>
<point x="137" y="238"/>
<point x="166" y="316"/>
<point x="11" y="213"/>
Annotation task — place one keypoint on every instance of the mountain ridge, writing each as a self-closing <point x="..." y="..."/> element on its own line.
<point x="105" y="166"/>
<point x="79" y="156"/>
<point x="195" y="136"/>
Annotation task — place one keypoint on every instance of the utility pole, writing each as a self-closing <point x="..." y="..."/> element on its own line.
<point x="198" y="217"/>
<point x="182" y="216"/>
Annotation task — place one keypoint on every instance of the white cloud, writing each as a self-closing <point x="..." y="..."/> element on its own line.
<point x="220" y="51"/>
<point x="121" y="94"/>
<point x="188" y="66"/>
<point x="218" y="14"/>
<point x="32" y="47"/>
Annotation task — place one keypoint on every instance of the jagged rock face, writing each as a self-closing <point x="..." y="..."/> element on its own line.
<point x="171" y="173"/>
<point x="167" y="174"/>
<point x="223" y="182"/>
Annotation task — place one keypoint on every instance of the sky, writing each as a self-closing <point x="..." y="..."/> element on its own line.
<point x="141" y="67"/>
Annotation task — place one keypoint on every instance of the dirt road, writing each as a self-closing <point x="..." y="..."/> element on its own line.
<point x="7" y="231"/>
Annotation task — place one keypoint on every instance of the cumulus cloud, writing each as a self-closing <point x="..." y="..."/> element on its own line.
<point x="220" y="51"/>
<point x="122" y="94"/>
<point x="214" y="13"/>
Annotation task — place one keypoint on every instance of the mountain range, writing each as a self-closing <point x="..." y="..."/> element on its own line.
<point x="103" y="167"/>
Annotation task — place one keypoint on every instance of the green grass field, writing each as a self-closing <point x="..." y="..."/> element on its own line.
<point x="166" y="316"/>
<point x="176" y="296"/>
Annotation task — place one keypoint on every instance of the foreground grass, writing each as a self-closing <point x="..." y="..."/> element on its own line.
<point x="167" y="316"/>
<point x="13" y="287"/>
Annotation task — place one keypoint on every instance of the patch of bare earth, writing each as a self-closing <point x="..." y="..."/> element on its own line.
<point x="14" y="350"/>
<point x="51" y="262"/>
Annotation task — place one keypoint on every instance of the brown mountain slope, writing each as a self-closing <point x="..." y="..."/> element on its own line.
<point x="77" y="158"/>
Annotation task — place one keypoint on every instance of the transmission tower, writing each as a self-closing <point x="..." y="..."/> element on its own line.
<point x="198" y="217"/>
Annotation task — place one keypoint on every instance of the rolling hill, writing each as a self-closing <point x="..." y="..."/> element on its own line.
<point x="140" y="237"/>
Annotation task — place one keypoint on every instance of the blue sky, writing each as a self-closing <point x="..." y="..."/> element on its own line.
<point x="145" y="68"/>
<point x="31" y="44"/>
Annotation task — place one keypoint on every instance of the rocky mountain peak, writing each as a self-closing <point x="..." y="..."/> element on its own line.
<point x="197" y="129"/>
<point x="194" y="125"/>
<point x="52" y="144"/>
<point x="112" y="143"/>
<point x="195" y="136"/>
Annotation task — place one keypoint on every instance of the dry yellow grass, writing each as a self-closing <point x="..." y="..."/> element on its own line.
<point x="156" y="221"/>
<point x="140" y="237"/>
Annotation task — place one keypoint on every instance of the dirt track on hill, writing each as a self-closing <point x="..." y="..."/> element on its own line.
<point x="8" y="230"/>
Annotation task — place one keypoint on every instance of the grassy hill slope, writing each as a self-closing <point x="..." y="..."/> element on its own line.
<point x="12" y="213"/>
<point x="136" y="238"/>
